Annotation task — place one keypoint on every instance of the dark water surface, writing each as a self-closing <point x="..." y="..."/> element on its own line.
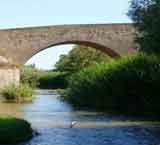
<point x="52" y="119"/>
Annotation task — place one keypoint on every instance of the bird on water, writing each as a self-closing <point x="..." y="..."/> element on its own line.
<point x="73" y="123"/>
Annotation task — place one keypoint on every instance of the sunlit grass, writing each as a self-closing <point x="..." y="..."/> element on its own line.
<point x="17" y="92"/>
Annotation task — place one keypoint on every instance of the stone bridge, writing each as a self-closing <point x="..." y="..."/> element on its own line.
<point x="20" y="44"/>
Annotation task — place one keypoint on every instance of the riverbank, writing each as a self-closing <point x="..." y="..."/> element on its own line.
<point x="129" y="85"/>
<point x="13" y="130"/>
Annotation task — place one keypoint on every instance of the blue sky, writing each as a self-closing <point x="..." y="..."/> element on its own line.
<point x="24" y="13"/>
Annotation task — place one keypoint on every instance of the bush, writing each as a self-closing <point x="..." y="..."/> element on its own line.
<point x="29" y="75"/>
<point x="130" y="84"/>
<point x="43" y="79"/>
<point x="17" y="93"/>
<point x="14" y="130"/>
<point x="52" y="80"/>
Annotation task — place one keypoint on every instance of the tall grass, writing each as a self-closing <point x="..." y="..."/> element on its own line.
<point x="129" y="84"/>
<point x="29" y="75"/>
<point x="17" y="93"/>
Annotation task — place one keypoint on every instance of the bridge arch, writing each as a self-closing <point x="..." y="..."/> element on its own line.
<point x="18" y="45"/>
<point x="108" y="51"/>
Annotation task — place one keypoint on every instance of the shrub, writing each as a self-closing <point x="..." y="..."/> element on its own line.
<point x="128" y="84"/>
<point x="14" y="92"/>
<point x="29" y="75"/>
<point x="14" y="130"/>
<point x="52" y="80"/>
<point x="43" y="79"/>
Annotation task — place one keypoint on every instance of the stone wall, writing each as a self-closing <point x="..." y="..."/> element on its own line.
<point x="9" y="76"/>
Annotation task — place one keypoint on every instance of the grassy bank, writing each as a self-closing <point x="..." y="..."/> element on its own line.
<point x="130" y="84"/>
<point x="14" y="130"/>
<point x="20" y="93"/>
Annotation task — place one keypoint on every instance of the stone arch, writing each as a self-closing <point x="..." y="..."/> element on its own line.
<point x="18" y="45"/>
<point x="108" y="51"/>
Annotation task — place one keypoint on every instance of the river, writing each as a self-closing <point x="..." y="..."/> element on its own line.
<point x="52" y="119"/>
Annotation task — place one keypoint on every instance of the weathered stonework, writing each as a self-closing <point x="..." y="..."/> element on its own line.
<point x="9" y="76"/>
<point x="19" y="45"/>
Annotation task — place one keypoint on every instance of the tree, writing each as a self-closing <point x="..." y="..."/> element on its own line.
<point x="146" y="17"/>
<point x="80" y="57"/>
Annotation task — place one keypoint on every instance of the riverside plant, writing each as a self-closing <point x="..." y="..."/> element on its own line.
<point x="13" y="130"/>
<point x="52" y="80"/>
<point x="17" y="93"/>
<point x="129" y="84"/>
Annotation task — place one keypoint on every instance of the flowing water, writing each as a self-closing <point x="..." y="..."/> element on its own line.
<point x="52" y="118"/>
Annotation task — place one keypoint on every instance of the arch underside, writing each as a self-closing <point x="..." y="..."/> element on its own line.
<point x="108" y="51"/>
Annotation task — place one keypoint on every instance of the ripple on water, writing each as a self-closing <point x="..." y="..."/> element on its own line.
<point x="97" y="136"/>
<point x="52" y="119"/>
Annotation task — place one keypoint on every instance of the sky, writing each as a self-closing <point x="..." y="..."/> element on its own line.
<point x="26" y="13"/>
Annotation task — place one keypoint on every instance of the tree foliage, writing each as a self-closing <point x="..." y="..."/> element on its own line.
<point x="80" y="57"/>
<point x="126" y="85"/>
<point x="146" y="17"/>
